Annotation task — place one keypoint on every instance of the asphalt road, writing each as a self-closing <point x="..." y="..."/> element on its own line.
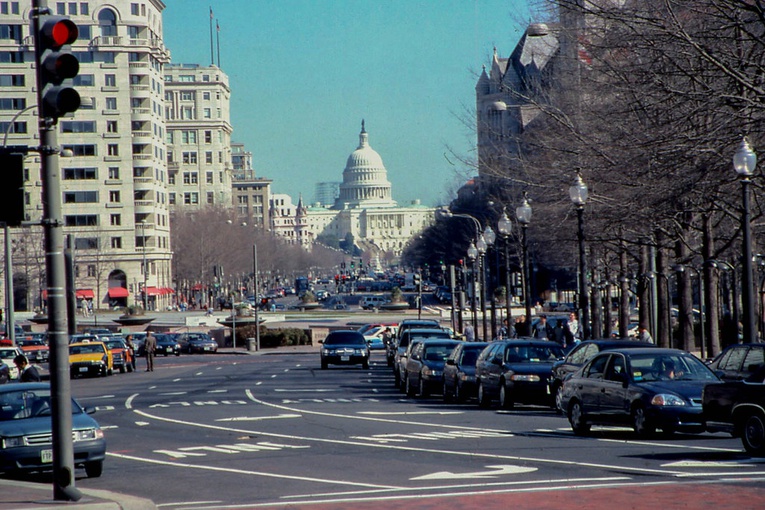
<point x="218" y="431"/>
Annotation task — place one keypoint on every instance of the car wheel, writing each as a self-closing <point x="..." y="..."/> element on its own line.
<point x="558" y="403"/>
<point x="459" y="394"/>
<point x="753" y="433"/>
<point x="94" y="469"/>
<point x="483" y="398"/>
<point x="130" y="368"/>
<point x="109" y="371"/>
<point x="505" y="397"/>
<point x="640" y="422"/>
<point x="445" y="392"/>
<point x="390" y="362"/>
<point x="122" y="370"/>
<point x="178" y="353"/>
<point x="577" y="420"/>
<point x="423" y="389"/>
<point x="410" y="391"/>
<point x="365" y="365"/>
<point x="324" y="365"/>
<point x="166" y="354"/>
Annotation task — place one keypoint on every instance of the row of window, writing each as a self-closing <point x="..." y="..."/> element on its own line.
<point x="189" y="136"/>
<point x="190" y="157"/>
<point x="188" y="95"/>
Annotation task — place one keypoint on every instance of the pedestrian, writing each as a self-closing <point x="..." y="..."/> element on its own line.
<point x="644" y="335"/>
<point x="573" y="330"/>
<point x="131" y="349"/>
<point x="521" y="326"/>
<point x="559" y="332"/>
<point x="469" y="332"/>
<point x="504" y="331"/>
<point x="543" y="330"/>
<point x="387" y="337"/>
<point x="27" y="373"/>
<point x="149" y="347"/>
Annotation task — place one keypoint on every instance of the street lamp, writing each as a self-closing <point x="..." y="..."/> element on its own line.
<point x="143" y="243"/>
<point x="523" y="213"/>
<point x="579" y="193"/>
<point x="505" y="228"/>
<point x="489" y="236"/>
<point x="482" y="245"/>
<point x="472" y="254"/>
<point x="745" y="162"/>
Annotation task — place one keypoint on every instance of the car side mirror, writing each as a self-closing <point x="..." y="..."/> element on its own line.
<point x="90" y="410"/>
<point x="450" y="361"/>
<point x="321" y="341"/>
<point x="496" y="361"/>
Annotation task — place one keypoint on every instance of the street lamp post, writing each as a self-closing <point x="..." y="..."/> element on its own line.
<point x="579" y="193"/>
<point x="143" y="249"/>
<point x="745" y="162"/>
<point x="472" y="254"/>
<point x="505" y="228"/>
<point x="523" y="213"/>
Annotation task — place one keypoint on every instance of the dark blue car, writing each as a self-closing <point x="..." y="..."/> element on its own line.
<point x="26" y="435"/>
<point x="459" y="372"/>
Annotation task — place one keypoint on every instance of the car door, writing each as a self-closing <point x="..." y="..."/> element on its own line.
<point x="754" y="359"/>
<point x="414" y="366"/>
<point x="613" y="393"/>
<point x="592" y="385"/>
<point x="494" y="369"/>
<point x="484" y="364"/>
<point x="732" y="363"/>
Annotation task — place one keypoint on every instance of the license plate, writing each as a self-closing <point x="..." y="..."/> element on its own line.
<point x="208" y="348"/>
<point x="344" y="358"/>
<point x="46" y="456"/>
<point x="83" y="369"/>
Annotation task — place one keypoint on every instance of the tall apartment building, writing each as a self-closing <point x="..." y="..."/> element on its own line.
<point x="198" y="136"/>
<point x="114" y="186"/>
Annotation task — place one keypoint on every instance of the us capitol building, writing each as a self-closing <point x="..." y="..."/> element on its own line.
<point x="365" y="208"/>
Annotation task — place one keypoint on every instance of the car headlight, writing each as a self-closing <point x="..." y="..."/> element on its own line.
<point x="525" y="377"/>
<point x="12" y="442"/>
<point x="429" y="372"/>
<point x="88" y="434"/>
<point x="667" y="399"/>
<point x="326" y="352"/>
<point x="466" y="378"/>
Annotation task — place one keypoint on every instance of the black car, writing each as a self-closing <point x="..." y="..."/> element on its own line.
<point x="581" y="354"/>
<point x="344" y="347"/>
<point x="516" y="371"/>
<point x="459" y="371"/>
<point x="197" y="343"/>
<point x="167" y="344"/>
<point x="425" y="366"/>
<point x="738" y="407"/>
<point x="739" y="361"/>
<point x="403" y="347"/>
<point x="404" y="326"/>
<point x="645" y="388"/>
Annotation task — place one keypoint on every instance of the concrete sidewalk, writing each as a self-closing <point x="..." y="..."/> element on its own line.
<point x="16" y="495"/>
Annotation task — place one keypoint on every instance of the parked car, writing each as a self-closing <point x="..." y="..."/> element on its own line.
<point x="36" y="350"/>
<point x="82" y="337"/>
<point x="90" y="358"/>
<point x="516" y="371"/>
<point x="121" y="358"/>
<point x="739" y="361"/>
<point x="374" y="337"/>
<point x="405" y="325"/>
<point x="167" y="345"/>
<point x="738" y="407"/>
<point x="372" y="302"/>
<point x="581" y="354"/>
<point x="403" y="347"/>
<point x="459" y="371"/>
<point x="6" y="356"/>
<point x="25" y="431"/>
<point x="196" y="343"/>
<point x="344" y="347"/>
<point x="647" y="388"/>
<point x="425" y="367"/>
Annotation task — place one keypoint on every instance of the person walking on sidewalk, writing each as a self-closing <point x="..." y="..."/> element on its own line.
<point x="150" y="346"/>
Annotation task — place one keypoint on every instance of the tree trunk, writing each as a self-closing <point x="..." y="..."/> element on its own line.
<point x="685" y="300"/>
<point x="711" y="290"/>
<point x="644" y="291"/>
<point x="597" y="298"/>
<point x="663" y="298"/>
<point x="624" y="295"/>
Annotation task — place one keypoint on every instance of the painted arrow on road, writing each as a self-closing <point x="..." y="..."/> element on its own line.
<point x="494" y="472"/>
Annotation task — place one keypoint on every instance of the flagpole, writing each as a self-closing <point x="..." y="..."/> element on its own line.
<point x="217" y="27"/>
<point x="212" y="55"/>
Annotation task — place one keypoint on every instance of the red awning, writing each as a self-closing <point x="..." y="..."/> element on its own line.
<point x="45" y="293"/>
<point x="168" y="290"/>
<point x="153" y="291"/>
<point x="197" y="286"/>
<point x="84" y="294"/>
<point x="118" y="292"/>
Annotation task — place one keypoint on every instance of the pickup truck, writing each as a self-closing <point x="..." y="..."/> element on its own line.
<point x="738" y="407"/>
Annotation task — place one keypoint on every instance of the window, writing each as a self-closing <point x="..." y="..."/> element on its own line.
<point x="191" y="198"/>
<point x="209" y="157"/>
<point x="116" y="242"/>
<point x="187" y="113"/>
<point x="111" y="103"/>
<point x="171" y="179"/>
<point x="115" y="220"/>
<point x="18" y="127"/>
<point x="87" y="243"/>
<point x="13" y="103"/>
<point x="81" y="149"/>
<point x="171" y="198"/>
<point x="209" y="178"/>
<point x="81" y="197"/>
<point x="114" y="173"/>
<point x="189" y="136"/>
<point x="190" y="178"/>
<point x="78" y="126"/>
<point x="134" y="9"/>
<point x="111" y="126"/>
<point x="91" y="270"/>
<point x="114" y="196"/>
<point x="81" y="220"/>
<point x="208" y="136"/>
<point x="11" y="80"/>
<point x="190" y="158"/>
<point x="11" y="57"/>
<point x="206" y="96"/>
<point x="84" y="80"/>
<point x="110" y="80"/>
<point x="133" y="31"/>
<point x="210" y="198"/>
<point x="113" y="149"/>
<point x="206" y="113"/>
<point x="80" y="173"/>
<point x="107" y="21"/>
<point x="187" y="96"/>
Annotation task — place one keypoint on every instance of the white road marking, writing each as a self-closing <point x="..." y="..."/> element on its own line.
<point x="408" y="413"/>
<point x="106" y="427"/>
<point x="259" y="418"/>
<point x="494" y="471"/>
<point x="670" y="445"/>
<point x="217" y="391"/>
<point x="709" y="464"/>
<point x="305" y="390"/>
<point x="219" y="368"/>
<point x="104" y="408"/>
<point x="199" y="373"/>
<point x="169" y="393"/>
<point x="142" y="423"/>
<point x="97" y="398"/>
<point x="187" y="503"/>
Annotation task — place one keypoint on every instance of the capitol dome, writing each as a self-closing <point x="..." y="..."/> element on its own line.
<point x="365" y="179"/>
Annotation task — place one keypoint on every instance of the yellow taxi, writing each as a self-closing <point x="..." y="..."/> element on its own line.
<point x="90" y="358"/>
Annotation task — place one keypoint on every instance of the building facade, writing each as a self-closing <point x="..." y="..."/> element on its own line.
<point x="114" y="185"/>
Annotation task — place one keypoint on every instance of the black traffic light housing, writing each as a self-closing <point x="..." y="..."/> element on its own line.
<point x="12" y="190"/>
<point x="56" y="66"/>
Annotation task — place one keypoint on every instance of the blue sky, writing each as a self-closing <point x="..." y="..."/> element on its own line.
<point x="304" y="73"/>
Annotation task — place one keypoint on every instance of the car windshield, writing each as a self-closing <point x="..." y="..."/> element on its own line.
<point x="29" y="343"/>
<point x="532" y="353"/>
<point x="351" y="338"/>
<point x="114" y="344"/>
<point x="86" y="349"/>
<point x="663" y="367"/>
<point x="23" y="404"/>
<point x="469" y="356"/>
<point x="437" y="352"/>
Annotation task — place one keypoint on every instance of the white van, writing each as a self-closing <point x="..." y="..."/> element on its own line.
<point x="370" y="302"/>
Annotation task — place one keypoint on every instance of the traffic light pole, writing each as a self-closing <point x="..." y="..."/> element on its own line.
<point x="61" y="406"/>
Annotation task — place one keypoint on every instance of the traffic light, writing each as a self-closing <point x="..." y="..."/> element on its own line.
<point x="352" y="264"/>
<point x="57" y="66"/>
<point x="12" y="190"/>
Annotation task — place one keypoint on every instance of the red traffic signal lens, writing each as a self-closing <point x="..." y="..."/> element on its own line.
<point x="61" y="31"/>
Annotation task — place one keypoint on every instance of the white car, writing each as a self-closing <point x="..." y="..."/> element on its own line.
<point x="7" y="354"/>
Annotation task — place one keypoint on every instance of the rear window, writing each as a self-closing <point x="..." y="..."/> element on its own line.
<point x="345" y="338"/>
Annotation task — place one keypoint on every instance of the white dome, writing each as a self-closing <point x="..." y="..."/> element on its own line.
<point x="365" y="179"/>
